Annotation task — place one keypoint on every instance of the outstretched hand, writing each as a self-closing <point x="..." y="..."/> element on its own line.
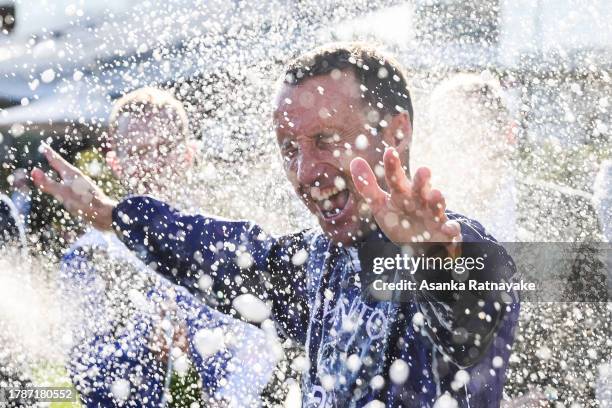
<point x="75" y="191"/>
<point x="410" y="212"/>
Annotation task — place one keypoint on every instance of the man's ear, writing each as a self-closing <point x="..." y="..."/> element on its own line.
<point x="398" y="133"/>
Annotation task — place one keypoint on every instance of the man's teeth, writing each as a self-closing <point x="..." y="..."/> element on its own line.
<point x="324" y="194"/>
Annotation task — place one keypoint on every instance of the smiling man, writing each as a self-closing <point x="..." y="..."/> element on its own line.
<point x="343" y="120"/>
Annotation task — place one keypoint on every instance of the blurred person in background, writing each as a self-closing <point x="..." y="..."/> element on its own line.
<point x="22" y="193"/>
<point x="602" y="200"/>
<point x="343" y="119"/>
<point x="470" y="148"/>
<point x="11" y="235"/>
<point x="11" y="226"/>
<point x="148" y="328"/>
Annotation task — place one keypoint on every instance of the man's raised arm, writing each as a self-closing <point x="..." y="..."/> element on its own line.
<point x="77" y="192"/>
<point x="193" y="251"/>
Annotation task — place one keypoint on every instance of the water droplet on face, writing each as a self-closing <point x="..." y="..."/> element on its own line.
<point x="361" y="142"/>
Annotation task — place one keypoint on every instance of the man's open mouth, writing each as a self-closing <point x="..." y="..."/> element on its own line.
<point x="331" y="201"/>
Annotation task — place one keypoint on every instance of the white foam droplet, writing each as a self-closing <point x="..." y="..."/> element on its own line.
<point x="543" y="353"/>
<point x="446" y="401"/>
<point x="340" y="183"/>
<point x="377" y="382"/>
<point x="497" y="362"/>
<point x="120" y="389"/>
<point x="300" y="364"/>
<point x="353" y="362"/>
<point x="244" y="260"/>
<point x="47" y="75"/>
<point x="208" y="341"/>
<point x="251" y="308"/>
<point x="205" y="282"/>
<point x="418" y="319"/>
<point x="398" y="372"/>
<point x="361" y="142"/>
<point x="299" y="257"/>
<point x="181" y="365"/>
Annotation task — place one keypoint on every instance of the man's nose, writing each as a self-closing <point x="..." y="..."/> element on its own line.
<point x="308" y="171"/>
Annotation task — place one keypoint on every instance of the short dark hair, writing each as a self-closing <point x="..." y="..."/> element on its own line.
<point x="381" y="75"/>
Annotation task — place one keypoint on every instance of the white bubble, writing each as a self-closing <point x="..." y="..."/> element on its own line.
<point x="120" y="389"/>
<point x="294" y="396"/>
<point x="446" y="401"/>
<point x="94" y="168"/>
<point x="391" y="220"/>
<point x="328" y="382"/>
<point x="361" y="142"/>
<point x="207" y="342"/>
<point x="497" y="362"/>
<point x="375" y="404"/>
<point x="138" y="299"/>
<point x="300" y="364"/>
<point x="377" y="382"/>
<point x="418" y="319"/>
<point x="251" y="308"/>
<point x="353" y="362"/>
<point x="398" y="372"/>
<point x="462" y="378"/>
<point x="205" y="282"/>
<point x="379" y="171"/>
<point x="181" y="365"/>
<point x="244" y="260"/>
<point x="17" y="129"/>
<point x="340" y="183"/>
<point x="47" y="75"/>
<point x="543" y="353"/>
<point x="299" y="257"/>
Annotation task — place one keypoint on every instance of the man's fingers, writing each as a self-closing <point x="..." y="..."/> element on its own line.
<point x="366" y="184"/>
<point x="452" y="229"/>
<point x="420" y="183"/>
<point x="394" y="173"/>
<point x="49" y="186"/>
<point x="437" y="204"/>
<point x="57" y="162"/>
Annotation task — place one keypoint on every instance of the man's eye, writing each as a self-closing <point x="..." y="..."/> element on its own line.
<point x="329" y="139"/>
<point x="289" y="149"/>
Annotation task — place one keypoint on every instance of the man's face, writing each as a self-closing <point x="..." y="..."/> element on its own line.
<point x="147" y="148"/>
<point x="321" y="125"/>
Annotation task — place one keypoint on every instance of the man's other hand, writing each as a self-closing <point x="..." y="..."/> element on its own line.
<point x="75" y="191"/>
<point x="410" y="212"/>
